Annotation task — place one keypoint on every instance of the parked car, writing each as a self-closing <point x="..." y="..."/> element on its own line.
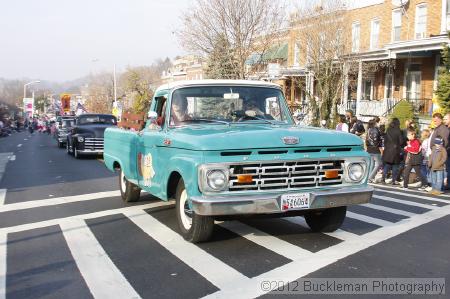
<point x="86" y="136"/>
<point x="229" y="148"/>
<point x="62" y="131"/>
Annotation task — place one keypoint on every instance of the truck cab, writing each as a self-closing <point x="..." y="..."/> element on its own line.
<point x="227" y="148"/>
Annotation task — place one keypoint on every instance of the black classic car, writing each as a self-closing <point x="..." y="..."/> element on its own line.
<point x="63" y="126"/>
<point x="86" y="136"/>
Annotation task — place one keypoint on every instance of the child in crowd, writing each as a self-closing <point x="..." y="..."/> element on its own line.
<point x="426" y="152"/>
<point x="413" y="152"/>
<point x="437" y="165"/>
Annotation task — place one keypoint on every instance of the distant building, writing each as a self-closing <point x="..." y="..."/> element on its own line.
<point x="187" y="67"/>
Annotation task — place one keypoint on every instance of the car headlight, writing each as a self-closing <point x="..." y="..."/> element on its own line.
<point x="216" y="179"/>
<point x="356" y="172"/>
<point x="80" y="139"/>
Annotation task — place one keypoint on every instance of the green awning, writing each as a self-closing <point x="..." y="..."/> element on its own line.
<point x="277" y="52"/>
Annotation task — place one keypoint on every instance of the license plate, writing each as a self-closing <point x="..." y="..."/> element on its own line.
<point x="295" y="201"/>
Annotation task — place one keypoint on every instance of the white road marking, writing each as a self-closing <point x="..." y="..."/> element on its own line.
<point x="390" y="210"/>
<point x="263" y="239"/>
<point x="101" y="275"/>
<point x="2" y="197"/>
<point x="46" y="223"/>
<point x="3" y="244"/>
<point x="19" y="145"/>
<point x="418" y="196"/>
<point x="208" y="266"/>
<point x="339" y="234"/>
<point x="383" y="188"/>
<point x="56" y="201"/>
<point x="405" y="202"/>
<point x="302" y="267"/>
<point x="368" y="219"/>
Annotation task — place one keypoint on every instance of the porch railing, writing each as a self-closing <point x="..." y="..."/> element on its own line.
<point x="422" y="107"/>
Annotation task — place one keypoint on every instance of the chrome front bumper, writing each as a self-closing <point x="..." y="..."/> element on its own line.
<point x="270" y="204"/>
<point x="88" y="151"/>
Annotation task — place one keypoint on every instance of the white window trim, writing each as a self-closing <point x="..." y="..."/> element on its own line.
<point x="354" y="48"/>
<point x="296" y="54"/>
<point x="372" y="22"/>
<point x="386" y="87"/>
<point x="398" y="10"/>
<point x="444" y="16"/>
<point x="418" y="6"/>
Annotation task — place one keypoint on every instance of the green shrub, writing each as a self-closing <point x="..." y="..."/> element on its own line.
<point x="403" y="111"/>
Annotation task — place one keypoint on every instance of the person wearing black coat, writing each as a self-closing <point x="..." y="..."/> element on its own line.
<point x="393" y="141"/>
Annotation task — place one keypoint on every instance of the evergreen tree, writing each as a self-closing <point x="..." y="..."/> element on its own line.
<point x="221" y="61"/>
<point x="443" y="89"/>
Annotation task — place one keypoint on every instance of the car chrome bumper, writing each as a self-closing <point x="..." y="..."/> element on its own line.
<point x="88" y="151"/>
<point x="269" y="204"/>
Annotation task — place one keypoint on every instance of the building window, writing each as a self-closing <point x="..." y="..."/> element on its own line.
<point x="296" y="54"/>
<point x="308" y="53"/>
<point x="413" y="82"/>
<point x="421" y="21"/>
<point x="374" y="33"/>
<point x="367" y="90"/>
<point x="448" y="14"/>
<point x="396" y="25"/>
<point x="356" y="32"/>
<point x="388" y="84"/>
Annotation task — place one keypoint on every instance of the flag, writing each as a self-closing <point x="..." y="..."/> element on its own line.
<point x="81" y="109"/>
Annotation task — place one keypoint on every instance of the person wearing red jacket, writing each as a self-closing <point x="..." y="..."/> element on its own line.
<point x="413" y="151"/>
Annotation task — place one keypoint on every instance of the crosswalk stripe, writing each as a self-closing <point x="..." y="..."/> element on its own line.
<point x="263" y="239"/>
<point x="56" y="201"/>
<point x="211" y="268"/>
<point x="385" y="188"/>
<point x="368" y="219"/>
<point x="101" y="275"/>
<point x="415" y="196"/>
<point x="405" y="202"/>
<point x="2" y="197"/>
<point x="3" y="244"/>
<point x="339" y="234"/>
<point x="390" y="210"/>
<point x="45" y="223"/>
<point x="4" y="158"/>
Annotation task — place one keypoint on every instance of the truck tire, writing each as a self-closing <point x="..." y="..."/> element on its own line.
<point x="69" y="152"/>
<point x="76" y="154"/>
<point x="327" y="220"/>
<point x="194" y="228"/>
<point x="129" y="191"/>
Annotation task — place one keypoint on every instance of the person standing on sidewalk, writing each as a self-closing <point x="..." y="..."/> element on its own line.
<point x="437" y="165"/>
<point x="342" y="125"/>
<point x="413" y="160"/>
<point x="426" y="152"/>
<point x="447" y="164"/>
<point x="393" y="141"/>
<point x="374" y="146"/>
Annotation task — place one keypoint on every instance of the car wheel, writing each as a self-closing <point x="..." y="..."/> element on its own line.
<point x="129" y="191"/>
<point x="68" y="148"/>
<point x="76" y="153"/>
<point x="194" y="228"/>
<point x="60" y="144"/>
<point x="327" y="220"/>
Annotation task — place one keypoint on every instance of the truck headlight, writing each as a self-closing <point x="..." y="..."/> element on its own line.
<point x="217" y="180"/>
<point x="356" y="172"/>
<point x="80" y="139"/>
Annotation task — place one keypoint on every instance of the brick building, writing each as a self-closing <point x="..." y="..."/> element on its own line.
<point x="187" y="67"/>
<point x="396" y="45"/>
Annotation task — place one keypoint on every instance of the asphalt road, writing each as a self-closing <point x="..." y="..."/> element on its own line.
<point x="65" y="233"/>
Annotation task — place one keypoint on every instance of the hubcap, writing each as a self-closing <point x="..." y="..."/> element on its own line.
<point x="185" y="211"/>
<point x="123" y="182"/>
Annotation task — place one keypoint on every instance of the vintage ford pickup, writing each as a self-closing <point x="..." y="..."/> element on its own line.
<point x="226" y="148"/>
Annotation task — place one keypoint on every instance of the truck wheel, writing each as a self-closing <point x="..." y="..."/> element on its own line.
<point x="76" y="154"/>
<point x="194" y="228"/>
<point x="69" y="152"/>
<point x="327" y="220"/>
<point x="60" y="145"/>
<point x="129" y="191"/>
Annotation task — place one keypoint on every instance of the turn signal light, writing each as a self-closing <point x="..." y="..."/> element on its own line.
<point x="331" y="174"/>
<point x="244" y="178"/>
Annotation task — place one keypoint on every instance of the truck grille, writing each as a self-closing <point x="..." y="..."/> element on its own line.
<point x="286" y="175"/>
<point x="95" y="144"/>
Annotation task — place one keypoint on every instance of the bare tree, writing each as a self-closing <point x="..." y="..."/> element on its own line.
<point x="246" y="26"/>
<point x="322" y="37"/>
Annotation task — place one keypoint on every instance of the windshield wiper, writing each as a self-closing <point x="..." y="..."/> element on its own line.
<point x="208" y="120"/>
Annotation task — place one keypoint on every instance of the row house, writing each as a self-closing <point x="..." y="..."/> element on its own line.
<point x="396" y="45"/>
<point x="189" y="67"/>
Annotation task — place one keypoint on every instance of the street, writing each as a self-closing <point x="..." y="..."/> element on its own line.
<point x="66" y="233"/>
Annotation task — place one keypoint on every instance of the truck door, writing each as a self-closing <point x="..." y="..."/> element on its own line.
<point x="151" y="137"/>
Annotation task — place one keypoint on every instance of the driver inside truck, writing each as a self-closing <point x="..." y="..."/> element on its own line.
<point x="179" y="111"/>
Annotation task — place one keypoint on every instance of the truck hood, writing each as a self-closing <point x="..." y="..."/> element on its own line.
<point x="255" y="136"/>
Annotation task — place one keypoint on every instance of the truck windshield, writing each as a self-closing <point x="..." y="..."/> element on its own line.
<point x="96" y="119"/>
<point x="227" y="104"/>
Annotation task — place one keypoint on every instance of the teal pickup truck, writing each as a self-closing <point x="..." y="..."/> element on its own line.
<point x="224" y="148"/>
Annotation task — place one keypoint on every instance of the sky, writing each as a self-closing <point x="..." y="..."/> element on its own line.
<point x="61" y="40"/>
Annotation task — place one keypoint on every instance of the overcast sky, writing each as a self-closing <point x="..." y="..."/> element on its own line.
<point x="66" y="39"/>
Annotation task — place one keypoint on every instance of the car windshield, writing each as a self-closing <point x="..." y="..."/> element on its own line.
<point x="68" y="123"/>
<point x="97" y="119"/>
<point x="228" y="104"/>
